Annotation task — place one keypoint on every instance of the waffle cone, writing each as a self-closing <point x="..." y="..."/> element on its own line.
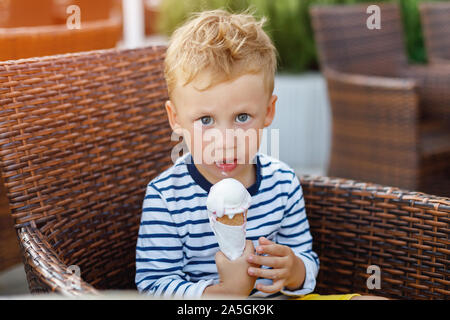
<point x="237" y="220"/>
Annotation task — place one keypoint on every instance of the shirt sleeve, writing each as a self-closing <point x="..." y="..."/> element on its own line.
<point x="294" y="232"/>
<point x="159" y="253"/>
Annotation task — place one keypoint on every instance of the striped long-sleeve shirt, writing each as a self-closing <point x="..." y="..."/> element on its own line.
<point x="176" y="246"/>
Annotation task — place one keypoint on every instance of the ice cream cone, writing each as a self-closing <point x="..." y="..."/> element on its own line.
<point x="227" y="203"/>
<point x="237" y="220"/>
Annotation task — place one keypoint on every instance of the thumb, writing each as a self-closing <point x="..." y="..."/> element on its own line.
<point x="249" y="247"/>
<point x="220" y="257"/>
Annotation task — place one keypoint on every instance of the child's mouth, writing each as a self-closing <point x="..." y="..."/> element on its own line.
<point x="226" y="165"/>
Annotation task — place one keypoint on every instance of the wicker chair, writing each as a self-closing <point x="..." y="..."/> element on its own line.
<point x="48" y="34"/>
<point x="31" y="28"/>
<point x="435" y="17"/>
<point x="81" y="135"/>
<point x="388" y="116"/>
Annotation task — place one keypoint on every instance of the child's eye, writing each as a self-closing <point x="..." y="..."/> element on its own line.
<point x="206" y="120"/>
<point x="243" y="117"/>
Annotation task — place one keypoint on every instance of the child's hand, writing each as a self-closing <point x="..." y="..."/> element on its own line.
<point x="234" y="278"/>
<point x="287" y="269"/>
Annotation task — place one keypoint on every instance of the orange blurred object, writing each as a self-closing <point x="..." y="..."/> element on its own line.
<point x="30" y="28"/>
<point x="151" y="12"/>
<point x="25" y="13"/>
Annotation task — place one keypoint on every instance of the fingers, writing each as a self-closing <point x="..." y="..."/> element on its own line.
<point x="249" y="248"/>
<point x="274" y="274"/>
<point x="270" y="261"/>
<point x="272" y="288"/>
<point x="272" y="249"/>
<point x="264" y="240"/>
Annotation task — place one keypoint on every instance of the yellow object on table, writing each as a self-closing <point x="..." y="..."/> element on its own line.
<point x="315" y="296"/>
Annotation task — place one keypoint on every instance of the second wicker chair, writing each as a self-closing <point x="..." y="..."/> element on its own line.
<point x="390" y="118"/>
<point x="435" y="17"/>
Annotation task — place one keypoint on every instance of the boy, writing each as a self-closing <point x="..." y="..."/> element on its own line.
<point x="220" y="71"/>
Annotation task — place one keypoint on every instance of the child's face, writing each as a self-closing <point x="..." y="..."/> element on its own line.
<point x="223" y="123"/>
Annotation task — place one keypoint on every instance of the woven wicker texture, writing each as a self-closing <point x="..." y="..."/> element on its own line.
<point x="356" y="225"/>
<point x="9" y="246"/>
<point x="36" y="28"/>
<point x="80" y="137"/>
<point x="30" y="30"/>
<point x="82" y="134"/>
<point x="435" y="17"/>
<point x="390" y="119"/>
<point x="346" y="44"/>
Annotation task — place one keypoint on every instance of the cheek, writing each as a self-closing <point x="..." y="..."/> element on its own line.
<point x="253" y="136"/>
<point x="190" y="136"/>
<point x="199" y="147"/>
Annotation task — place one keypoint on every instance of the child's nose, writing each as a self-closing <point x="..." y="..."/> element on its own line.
<point x="227" y="141"/>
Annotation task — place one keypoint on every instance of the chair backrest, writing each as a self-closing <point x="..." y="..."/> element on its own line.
<point x="345" y="42"/>
<point x="81" y="135"/>
<point x="435" y="18"/>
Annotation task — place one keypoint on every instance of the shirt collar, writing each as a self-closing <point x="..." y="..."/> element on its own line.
<point x="206" y="185"/>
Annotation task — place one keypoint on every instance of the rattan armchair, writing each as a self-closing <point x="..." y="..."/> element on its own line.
<point x="81" y="135"/>
<point x="389" y="118"/>
<point x="435" y="17"/>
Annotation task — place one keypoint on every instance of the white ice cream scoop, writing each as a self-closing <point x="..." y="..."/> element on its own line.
<point x="229" y="197"/>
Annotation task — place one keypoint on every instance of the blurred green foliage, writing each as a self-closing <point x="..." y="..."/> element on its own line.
<point x="289" y="25"/>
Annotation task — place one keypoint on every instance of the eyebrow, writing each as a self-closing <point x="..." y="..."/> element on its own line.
<point x="201" y="113"/>
<point x="244" y="108"/>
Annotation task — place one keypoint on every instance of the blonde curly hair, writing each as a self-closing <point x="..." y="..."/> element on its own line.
<point x="225" y="45"/>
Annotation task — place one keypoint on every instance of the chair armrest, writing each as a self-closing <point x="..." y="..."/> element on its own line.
<point x="45" y="271"/>
<point x="433" y="83"/>
<point x="374" y="95"/>
<point x="356" y="225"/>
<point x="368" y="81"/>
<point x="379" y="112"/>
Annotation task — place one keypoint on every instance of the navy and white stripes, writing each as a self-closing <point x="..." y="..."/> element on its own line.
<point x="176" y="246"/>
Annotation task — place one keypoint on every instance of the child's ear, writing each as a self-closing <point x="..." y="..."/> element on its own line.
<point x="172" y="115"/>
<point x="270" y="110"/>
